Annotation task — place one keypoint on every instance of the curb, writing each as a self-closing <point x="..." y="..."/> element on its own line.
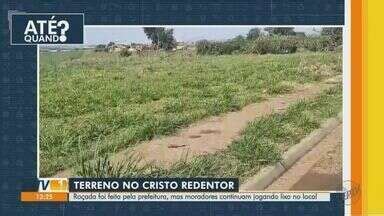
<point x="268" y="174"/>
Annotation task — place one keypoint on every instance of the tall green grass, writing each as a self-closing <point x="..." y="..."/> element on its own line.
<point x="106" y="102"/>
<point x="267" y="45"/>
<point x="261" y="143"/>
<point x="264" y="140"/>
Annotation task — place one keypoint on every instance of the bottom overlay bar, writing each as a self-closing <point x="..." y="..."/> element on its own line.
<point x="187" y="197"/>
<point x="200" y="197"/>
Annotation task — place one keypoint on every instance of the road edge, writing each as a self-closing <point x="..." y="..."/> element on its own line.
<point x="270" y="173"/>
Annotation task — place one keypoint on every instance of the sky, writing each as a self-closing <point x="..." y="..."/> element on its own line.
<point x="126" y="34"/>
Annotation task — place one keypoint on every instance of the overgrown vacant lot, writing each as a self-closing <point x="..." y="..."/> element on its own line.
<point x="263" y="142"/>
<point x="103" y="102"/>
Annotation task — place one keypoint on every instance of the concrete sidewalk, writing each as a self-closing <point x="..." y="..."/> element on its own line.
<point x="319" y="169"/>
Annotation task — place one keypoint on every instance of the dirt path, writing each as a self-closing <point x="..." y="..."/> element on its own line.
<point x="319" y="169"/>
<point x="215" y="133"/>
<point x="212" y="134"/>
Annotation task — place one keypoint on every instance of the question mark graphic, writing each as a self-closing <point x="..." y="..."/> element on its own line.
<point x="63" y="38"/>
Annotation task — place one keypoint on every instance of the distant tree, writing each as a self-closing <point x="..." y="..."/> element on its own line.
<point x="161" y="37"/>
<point x="239" y="38"/>
<point x="254" y="33"/>
<point x="153" y="34"/>
<point x="336" y="33"/>
<point x="111" y="44"/>
<point x="280" y="31"/>
<point x="101" y="48"/>
<point x="166" y="39"/>
<point x="235" y="44"/>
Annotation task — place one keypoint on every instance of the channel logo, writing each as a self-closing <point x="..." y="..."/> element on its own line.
<point x="53" y="185"/>
<point x="29" y="29"/>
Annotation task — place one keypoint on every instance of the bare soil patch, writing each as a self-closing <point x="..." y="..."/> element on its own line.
<point x="215" y="133"/>
<point x="212" y="134"/>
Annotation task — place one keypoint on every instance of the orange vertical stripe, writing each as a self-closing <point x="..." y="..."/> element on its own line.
<point x="356" y="101"/>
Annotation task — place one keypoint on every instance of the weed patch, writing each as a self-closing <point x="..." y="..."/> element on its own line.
<point x="261" y="143"/>
<point x="100" y="100"/>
